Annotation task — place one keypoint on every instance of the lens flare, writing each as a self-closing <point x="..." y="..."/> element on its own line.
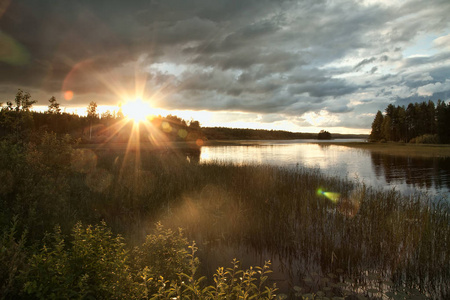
<point x="68" y="95"/>
<point x="12" y="52"/>
<point x="329" y="195"/>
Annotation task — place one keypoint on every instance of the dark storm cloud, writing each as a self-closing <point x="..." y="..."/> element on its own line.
<point x="365" y="62"/>
<point x="262" y="56"/>
<point x="331" y="87"/>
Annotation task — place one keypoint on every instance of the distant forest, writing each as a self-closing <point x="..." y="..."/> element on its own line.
<point x="224" y="133"/>
<point x="424" y="122"/>
<point x="18" y="121"/>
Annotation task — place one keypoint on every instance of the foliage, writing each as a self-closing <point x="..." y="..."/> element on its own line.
<point x="12" y="260"/>
<point x="92" y="110"/>
<point x="19" y="122"/>
<point x="53" y="107"/>
<point x="324" y="135"/>
<point x="96" y="266"/>
<point x="166" y="252"/>
<point x="222" y="133"/>
<point x="377" y="132"/>
<point x="426" y="139"/>
<point x="416" y="123"/>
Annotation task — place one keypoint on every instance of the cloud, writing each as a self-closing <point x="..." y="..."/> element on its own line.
<point x="430" y="89"/>
<point x="364" y="62"/>
<point x="274" y="58"/>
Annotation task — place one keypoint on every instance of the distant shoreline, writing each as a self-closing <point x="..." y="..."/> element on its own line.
<point x="397" y="149"/>
<point x="400" y="149"/>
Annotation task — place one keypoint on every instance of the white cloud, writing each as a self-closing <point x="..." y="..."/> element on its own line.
<point x="430" y="89"/>
<point x="442" y="42"/>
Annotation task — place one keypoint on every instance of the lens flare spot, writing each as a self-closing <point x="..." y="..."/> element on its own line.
<point x="68" y="95"/>
<point x="166" y="127"/>
<point x="12" y="52"/>
<point x="182" y="133"/>
<point x="334" y="197"/>
<point x="199" y="142"/>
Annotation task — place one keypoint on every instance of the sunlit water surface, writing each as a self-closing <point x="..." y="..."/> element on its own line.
<point x="405" y="174"/>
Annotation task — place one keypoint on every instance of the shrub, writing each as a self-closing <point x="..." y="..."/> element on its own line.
<point x="95" y="266"/>
<point x="165" y="253"/>
<point x="426" y="139"/>
<point x="12" y="260"/>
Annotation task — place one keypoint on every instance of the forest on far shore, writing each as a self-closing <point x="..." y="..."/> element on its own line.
<point x="18" y="120"/>
<point x="17" y="117"/>
<point x="421" y="123"/>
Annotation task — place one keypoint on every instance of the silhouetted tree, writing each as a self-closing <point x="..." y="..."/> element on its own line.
<point x="386" y="128"/>
<point x="91" y="115"/>
<point x="23" y="101"/>
<point x="53" y="107"/>
<point x="419" y="122"/>
<point x="377" y="133"/>
<point x="324" y="135"/>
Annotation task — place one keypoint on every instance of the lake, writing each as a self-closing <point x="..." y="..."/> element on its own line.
<point x="407" y="175"/>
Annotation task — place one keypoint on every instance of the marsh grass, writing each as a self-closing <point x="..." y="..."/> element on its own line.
<point x="269" y="211"/>
<point x="277" y="212"/>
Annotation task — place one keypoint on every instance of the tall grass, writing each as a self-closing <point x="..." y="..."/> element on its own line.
<point x="363" y="237"/>
<point x="278" y="212"/>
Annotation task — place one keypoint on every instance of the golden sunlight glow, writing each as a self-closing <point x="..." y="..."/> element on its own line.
<point x="137" y="110"/>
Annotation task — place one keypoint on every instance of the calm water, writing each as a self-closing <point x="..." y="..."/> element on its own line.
<point x="406" y="174"/>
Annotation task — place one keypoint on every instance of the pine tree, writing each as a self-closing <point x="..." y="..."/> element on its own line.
<point x="376" y="133"/>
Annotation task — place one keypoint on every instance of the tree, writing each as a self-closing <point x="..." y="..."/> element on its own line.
<point x="91" y="115"/>
<point x="92" y="111"/>
<point x="431" y="117"/>
<point x="23" y="102"/>
<point x="194" y="124"/>
<point x="411" y="121"/>
<point x="324" y="135"/>
<point x="377" y="133"/>
<point x="443" y="121"/>
<point x="399" y="128"/>
<point x="386" y="128"/>
<point x="53" y="107"/>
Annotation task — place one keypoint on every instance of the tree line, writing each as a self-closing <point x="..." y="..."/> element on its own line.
<point x="417" y="123"/>
<point x="18" y="120"/>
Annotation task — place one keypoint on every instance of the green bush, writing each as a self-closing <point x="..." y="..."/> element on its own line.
<point x="96" y="266"/>
<point x="12" y="260"/>
<point x="165" y="253"/>
<point x="426" y="139"/>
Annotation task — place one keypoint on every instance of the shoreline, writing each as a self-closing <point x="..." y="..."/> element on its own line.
<point x="399" y="149"/>
<point x="395" y="149"/>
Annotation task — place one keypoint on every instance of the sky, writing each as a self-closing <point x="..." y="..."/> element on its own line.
<point x="301" y="66"/>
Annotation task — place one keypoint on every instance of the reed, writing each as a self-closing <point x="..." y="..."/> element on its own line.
<point x="307" y="223"/>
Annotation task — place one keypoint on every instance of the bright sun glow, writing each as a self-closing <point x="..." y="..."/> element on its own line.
<point x="137" y="110"/>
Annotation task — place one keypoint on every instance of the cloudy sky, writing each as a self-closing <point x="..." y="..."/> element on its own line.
<point x="273" y="64"/>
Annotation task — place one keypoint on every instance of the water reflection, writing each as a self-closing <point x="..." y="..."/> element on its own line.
<point x="406" y="174"/>
<point x="424" y="173"/>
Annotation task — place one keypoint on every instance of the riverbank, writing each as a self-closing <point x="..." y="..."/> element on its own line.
<point x="399" y="149"/>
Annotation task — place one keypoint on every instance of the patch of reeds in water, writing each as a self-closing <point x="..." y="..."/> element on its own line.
<point x="309" y="222"/>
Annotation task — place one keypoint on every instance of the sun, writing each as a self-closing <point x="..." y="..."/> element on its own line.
<point x="136" y="110"/>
